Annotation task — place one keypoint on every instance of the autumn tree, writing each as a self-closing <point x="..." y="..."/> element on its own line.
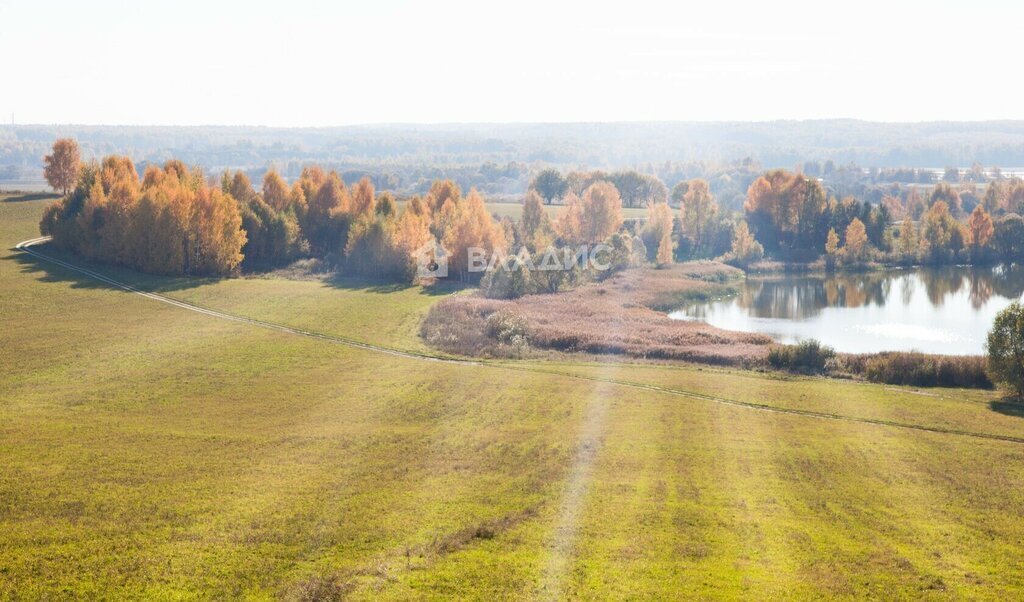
<point x="578" y="181"/>
<point x="697" y="212"/>
<point x="297" y="199"/>
<point x="471" y="228"/>
<point x="328" y="217"/>
<point x="120" y="182"/>
<point x="1014" y="195"/>
<point x="412" y="231"/>
<point x="907" y="246"/>
<point x="218" y="236"/>
<point x="441" y="191"/>
<point x="569" y="224"/>
<point x="238" y="186"/>
<point x="831" y="247"/>
<point x="311" y="180"/>
<point x="62" y="165"/>
<point x="275" y="190"/>
<point x="659" y="226"/>
<point x="979" y="231"/>
<point x="602" y="212"/>
<point x="174" y="223"/>
<point x="945" y="193"/>
<point x="535" y="228"/>
<point x="745" y="248"/>
<point x="894" y="205"/>
<point x="941" y="235"/>
<point x="785" y="209"/>
<point x="915" y="203"/>
<point x="363" y="197"/>
<point x="855" y="243"/>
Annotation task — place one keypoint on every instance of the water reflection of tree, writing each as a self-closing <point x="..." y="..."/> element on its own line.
<point x="805" y="297"/>
<point x="981" y="289"/>
<point x="1008" y="281"/>
<point x="940" y="282"/>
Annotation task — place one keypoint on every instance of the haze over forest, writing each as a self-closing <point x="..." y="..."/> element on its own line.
<point x="501" y="157"/>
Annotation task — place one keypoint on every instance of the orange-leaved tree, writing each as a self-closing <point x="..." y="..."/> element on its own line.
<point x="275" y="190"/>
<point x="63" y="165"/>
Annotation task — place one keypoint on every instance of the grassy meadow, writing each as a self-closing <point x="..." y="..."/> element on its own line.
<point x="150" y="452"/>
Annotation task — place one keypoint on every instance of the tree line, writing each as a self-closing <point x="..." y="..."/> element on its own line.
<point x="177" y="220"/>
<point x="790" y="214"/>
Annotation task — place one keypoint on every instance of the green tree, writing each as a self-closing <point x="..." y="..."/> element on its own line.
<point x="679" y="191"/>
<point x="1005" y="348"/>
<point x="550" y="185"/>
<point x="637" y="189"/>
<point x="1008" y="236"/>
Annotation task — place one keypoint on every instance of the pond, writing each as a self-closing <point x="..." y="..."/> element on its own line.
<point x="934" y="310"/>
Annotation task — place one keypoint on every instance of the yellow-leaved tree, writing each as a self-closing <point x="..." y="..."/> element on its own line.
<point x="659" y="226"/>
<point x="62" y="166"/>
<point x="856" y="240"/>
<point x="471" y="231"/>
<point x="275" y="190"/>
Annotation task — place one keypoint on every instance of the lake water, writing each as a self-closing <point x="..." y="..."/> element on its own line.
<point x="940" y="310"/>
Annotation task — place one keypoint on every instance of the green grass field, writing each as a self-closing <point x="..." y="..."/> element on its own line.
<point x="150" y="452"/>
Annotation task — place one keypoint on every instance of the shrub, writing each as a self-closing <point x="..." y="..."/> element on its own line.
<point x="808" y="357"/>
<point x="319" y="588"/>
<point x="475" y="326"/>
<point x="508" y="328"/>
<point x="509" y="280"/>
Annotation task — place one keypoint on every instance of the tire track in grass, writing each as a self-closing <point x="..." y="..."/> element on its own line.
<point x="26" y="247"/>
<point x="561" y="547"/>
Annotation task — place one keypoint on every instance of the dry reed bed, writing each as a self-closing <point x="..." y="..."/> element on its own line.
<point x="622" y="315"/>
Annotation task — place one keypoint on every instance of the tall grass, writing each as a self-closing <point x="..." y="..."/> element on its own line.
<point x="918" y="369"/>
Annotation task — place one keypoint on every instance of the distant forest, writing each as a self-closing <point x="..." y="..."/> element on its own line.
<point x="502" y="159"/>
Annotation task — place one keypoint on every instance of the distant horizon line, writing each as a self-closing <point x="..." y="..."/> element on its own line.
<point x="525" y="123"/>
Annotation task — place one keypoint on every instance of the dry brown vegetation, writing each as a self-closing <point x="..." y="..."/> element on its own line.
<point x="622" y="315"/>
<point x="915" y="369"/>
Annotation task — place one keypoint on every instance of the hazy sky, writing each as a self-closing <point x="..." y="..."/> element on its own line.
<point x="333" y="63"/>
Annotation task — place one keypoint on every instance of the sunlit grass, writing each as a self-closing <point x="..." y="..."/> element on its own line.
<point x="153" y="452"/>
